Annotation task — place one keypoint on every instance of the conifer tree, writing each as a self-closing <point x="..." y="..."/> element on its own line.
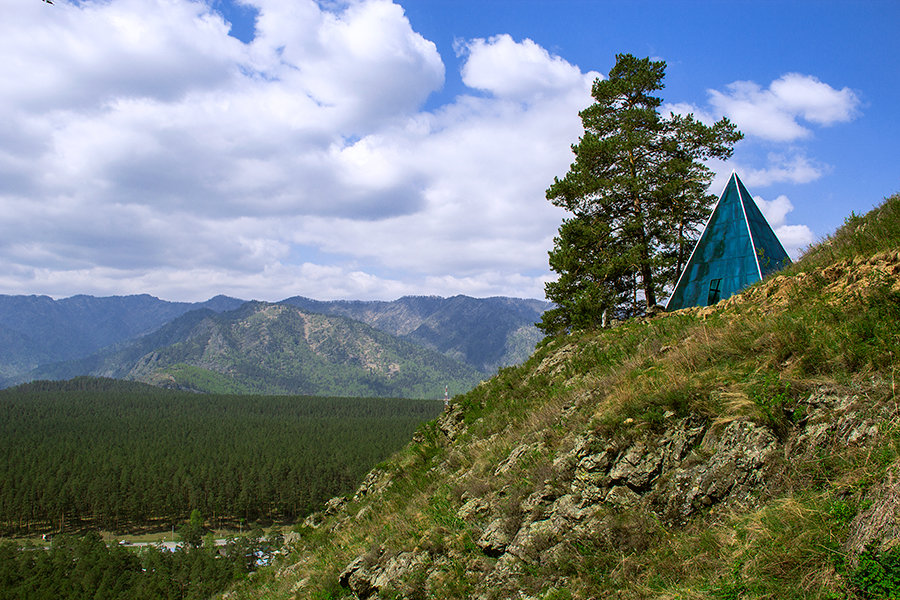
<point x="637" y="193"/>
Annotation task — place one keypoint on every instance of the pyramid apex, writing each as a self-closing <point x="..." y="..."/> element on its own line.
<point x="736" y="248"/>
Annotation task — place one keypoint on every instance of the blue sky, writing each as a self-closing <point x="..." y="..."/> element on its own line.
<point x="373" y="149"/>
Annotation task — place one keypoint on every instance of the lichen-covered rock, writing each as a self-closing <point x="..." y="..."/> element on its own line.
<point x="536" y="504"/>
<point x="534" y="538"/>
<point x="591" y="478"/>
<point x="622" y="496"/>
<point x="880" y="522"/>
<point x="472" y="507"/>
<point x="736" y="453"/>
<point x="679" y="439"/>
<point x="495" y="539"/>
<point x="567" y="509"/>
<point x="375" y="480"/>
<point x="358" y="577"/>
<point x="515" y="456"/>
<point x="833" y="419"/>
<point x="334" y="505"/>
<point x="452" y="422"/>
<point x="637" y="467"/>
<point x="378" y="571"/>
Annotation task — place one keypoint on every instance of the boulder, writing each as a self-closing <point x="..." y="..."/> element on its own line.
<point x="737" y="453"/>
<point x="495" y="539"/>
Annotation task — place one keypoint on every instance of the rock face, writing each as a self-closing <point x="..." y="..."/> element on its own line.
<point x="740" y="453"/>
<point x="688" y="467"/>
<point x="374" y="571"/>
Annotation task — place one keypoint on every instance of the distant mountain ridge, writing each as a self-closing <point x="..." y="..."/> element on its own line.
<point x="224" y="344"/>
<point x="267" y="348"/>
<point x="36" y="330"/>
<point x="486" y="333"/>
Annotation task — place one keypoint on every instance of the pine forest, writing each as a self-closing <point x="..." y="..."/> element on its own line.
<point x="121" y="455"/>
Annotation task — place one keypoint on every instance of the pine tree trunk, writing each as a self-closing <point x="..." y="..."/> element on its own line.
<point x="646" y="271"/>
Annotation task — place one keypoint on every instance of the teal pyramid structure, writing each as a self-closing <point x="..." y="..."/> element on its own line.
<point x="737" y="248"/>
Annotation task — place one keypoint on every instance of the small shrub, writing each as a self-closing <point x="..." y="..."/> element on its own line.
<point x="877" y="574"/>
<point x="842" y="512"/>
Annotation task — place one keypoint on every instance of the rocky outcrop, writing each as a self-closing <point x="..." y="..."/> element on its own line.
<point x="378" y="570"/>
<point x="739" y="454"/>
<point x="688" y="467"/>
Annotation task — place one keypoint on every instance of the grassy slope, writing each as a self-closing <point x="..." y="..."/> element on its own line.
<point x="831" y="322"/>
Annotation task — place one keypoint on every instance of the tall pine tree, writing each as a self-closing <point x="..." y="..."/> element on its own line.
<point x="637" y="193"/>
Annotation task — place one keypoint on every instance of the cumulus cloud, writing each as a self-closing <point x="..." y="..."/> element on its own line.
<point x="775" y="113"/>
<point x="516" y="70"/>
<point x="781" y="168"/>
<point x="794" y="238"/>
<point x="78" y="56"/>
<point x="146" y="150"/>
<point x="775" y="210"/>
<point x="364" y="64"/>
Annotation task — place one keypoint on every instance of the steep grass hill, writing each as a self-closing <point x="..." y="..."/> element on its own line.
<point x="745" y="450"/>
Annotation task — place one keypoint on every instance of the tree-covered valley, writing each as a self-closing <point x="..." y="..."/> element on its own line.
<point x="120" y="456"/>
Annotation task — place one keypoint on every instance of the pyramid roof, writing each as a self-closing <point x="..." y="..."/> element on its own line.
<point x="737" y="248"/>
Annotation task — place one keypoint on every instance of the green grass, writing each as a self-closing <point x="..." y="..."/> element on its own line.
<point x="861" y="235"/>
<point x="196" y="378"/>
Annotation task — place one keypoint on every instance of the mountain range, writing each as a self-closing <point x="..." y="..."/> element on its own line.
<point x="413" y="346"/>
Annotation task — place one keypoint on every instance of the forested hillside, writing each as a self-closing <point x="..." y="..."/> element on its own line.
<point x="486" y="333"/>
<point x="265" y="348"/>
<point x="36" y="330"/>
<point x="748" y="449"/>
<point x="122" y="455"/>
<point x="108" y="337"/>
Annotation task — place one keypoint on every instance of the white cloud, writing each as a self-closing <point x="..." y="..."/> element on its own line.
<point x="775" y="210"/>
<point x="516" y="70"/>
<point x="148" y="151"/>
<point x="78" y="56"/>
<point x="814" y="100"/>
<point x="774" y="113"/>
<point x="364" y="64"/>
<point x="781" y="168"/>
<point x="794" y="238"/>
